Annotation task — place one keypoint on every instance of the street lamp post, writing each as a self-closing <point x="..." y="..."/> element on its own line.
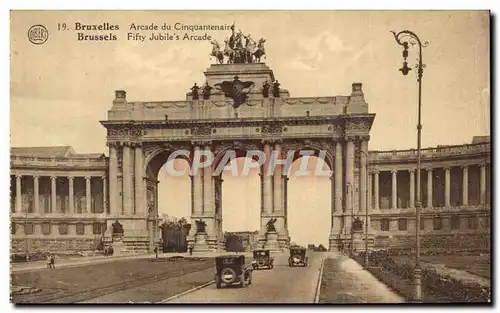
<point x="403" y="38"/>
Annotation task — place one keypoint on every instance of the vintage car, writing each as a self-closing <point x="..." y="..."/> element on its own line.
<point x="232" y="270"/>
<point x="297" y="256"/>
<point x="261" y="259"/>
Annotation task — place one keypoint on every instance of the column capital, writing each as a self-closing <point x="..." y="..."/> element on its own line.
<point x="482" y="164"/>
<point x="136" y="144"/>
<point x="465" y="167"/>
<point x="88" y="177"/>
<point x="53" y="177"/>
<point x="375" y="172"/>
<point x="71" y="177"/>
<point x="394" y="171"/>
<point x="412" y="170"/>
<point x="364" y="138"/>
<point x="429" y="169"/>
<point x="350" y="138"/>
<point x="18" y="175"/>
<point x="267" y="141"/>
<point x="201" y="143"/>
<point x="446" y="168"/>
<point x="103" y="177"/>
<point x="112" y="144"/>
<point x="35" y="176"/>
<point x="125" y="144"/>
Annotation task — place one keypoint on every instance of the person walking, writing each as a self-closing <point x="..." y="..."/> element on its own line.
<point x="48" y="261"/>
<point x="53" y="261"/>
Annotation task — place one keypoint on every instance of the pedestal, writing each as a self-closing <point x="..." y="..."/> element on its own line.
<point x="200" y="243"/>
<point x="358" y="240"/>
<point x="118" y="245"/>
<point x="272" y="241"/>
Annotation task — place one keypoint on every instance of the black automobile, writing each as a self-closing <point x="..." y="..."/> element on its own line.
<point x="297" y="256"/>
<point x="232" y="270"/>
<point x="261" y="259"/>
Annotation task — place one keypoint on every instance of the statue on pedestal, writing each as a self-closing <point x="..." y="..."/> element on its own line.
<point x="270" y="225"/>
<point x="265" y="89"/>
<point x="194" y="92"/>
<point x="206" y="91"/>
<point x="117" y="228"/>
<point x="276" y="89"/>
<point x="357" y="224"/>
<point x="200" y="226"/>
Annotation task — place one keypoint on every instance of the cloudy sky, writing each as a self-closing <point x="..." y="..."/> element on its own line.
<point x="62" y="89"/>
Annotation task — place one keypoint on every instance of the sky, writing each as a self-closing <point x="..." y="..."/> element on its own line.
<point x="62" y="89"/>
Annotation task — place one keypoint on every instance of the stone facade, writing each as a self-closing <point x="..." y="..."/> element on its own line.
<point x="66" y="190"/>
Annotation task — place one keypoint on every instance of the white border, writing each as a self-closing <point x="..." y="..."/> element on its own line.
<point x="186" y="5"/>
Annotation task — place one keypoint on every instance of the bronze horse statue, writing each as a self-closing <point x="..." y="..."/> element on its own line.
<point x="229" y="52"/>
<point x="216" y="52"/>
<point x="260" y="50"/>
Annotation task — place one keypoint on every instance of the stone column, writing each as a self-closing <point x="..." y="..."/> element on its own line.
<point x="349" y="176"/>
<point x="113" y="179"/>
<point x="363" y="175"/>
<point x="394" y="197"/>
<point x="208" y="206"/>
<point x="278" y="186"/>
<point x="465" y="185"/>
<point x="447" y="187"/>
<point x="127" y="179"/>
<point x="266" y="180"/>
<point x="338" y="176"/>
<point x="36" y="196"/>
<point x="139" y="190"/>
<point x="429" y="188"/>
<point x="19" y="194"/>
<point x="412" y="187"/>
<point x="88" y="195"/>
<point x="376" y="190"/>
<point x="482" y="184"/>
<point x="71" y="193"/>
<point x="197" y="189"/>
<point x="53" y="198"/>
<point x="104" y="195"/>
<point x="369" y="205"/>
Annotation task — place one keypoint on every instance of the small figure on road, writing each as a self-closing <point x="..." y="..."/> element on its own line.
<point x="190" y="250"/>
<point x="48" y="261"/>
<point x="156" y="252"/>
<point x="53" y="261"/>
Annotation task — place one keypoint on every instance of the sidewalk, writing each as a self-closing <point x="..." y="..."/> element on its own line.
<point x="345" y="281"/>
<point x="81" y="261"/>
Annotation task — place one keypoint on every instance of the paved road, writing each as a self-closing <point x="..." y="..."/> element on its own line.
<point x="282" y="284"/>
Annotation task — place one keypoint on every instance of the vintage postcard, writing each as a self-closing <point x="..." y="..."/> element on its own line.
<point x="325" y="157"/>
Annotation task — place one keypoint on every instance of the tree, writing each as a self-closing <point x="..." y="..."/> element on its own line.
<point x="172" y="232"/>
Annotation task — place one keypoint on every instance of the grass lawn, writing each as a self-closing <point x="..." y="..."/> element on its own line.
<point x="475" y="264"/>
<point x="73" y="284"/>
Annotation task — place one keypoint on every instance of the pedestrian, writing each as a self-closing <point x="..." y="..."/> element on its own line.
<point x="190" y="250"/>
<point x="48" y="261"/>
<point x="156" y="252"/>
<point x="53" y="261"/>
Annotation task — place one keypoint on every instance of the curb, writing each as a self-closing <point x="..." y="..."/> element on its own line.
<point x="318" y="288"/>
<point x="186" y="292"/>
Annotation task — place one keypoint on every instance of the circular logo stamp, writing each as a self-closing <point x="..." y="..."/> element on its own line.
<point x="38" y="34"/>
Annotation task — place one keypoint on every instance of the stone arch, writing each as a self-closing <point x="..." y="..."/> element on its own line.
<point x="313" y="145"/>
<point x="155" y="157"/>
<point x="241" y="149"/>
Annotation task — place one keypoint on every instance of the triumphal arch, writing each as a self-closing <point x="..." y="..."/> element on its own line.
<point x="241" y="106"/>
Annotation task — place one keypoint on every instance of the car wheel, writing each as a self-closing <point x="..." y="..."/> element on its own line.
<point x="228" y="275"/>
